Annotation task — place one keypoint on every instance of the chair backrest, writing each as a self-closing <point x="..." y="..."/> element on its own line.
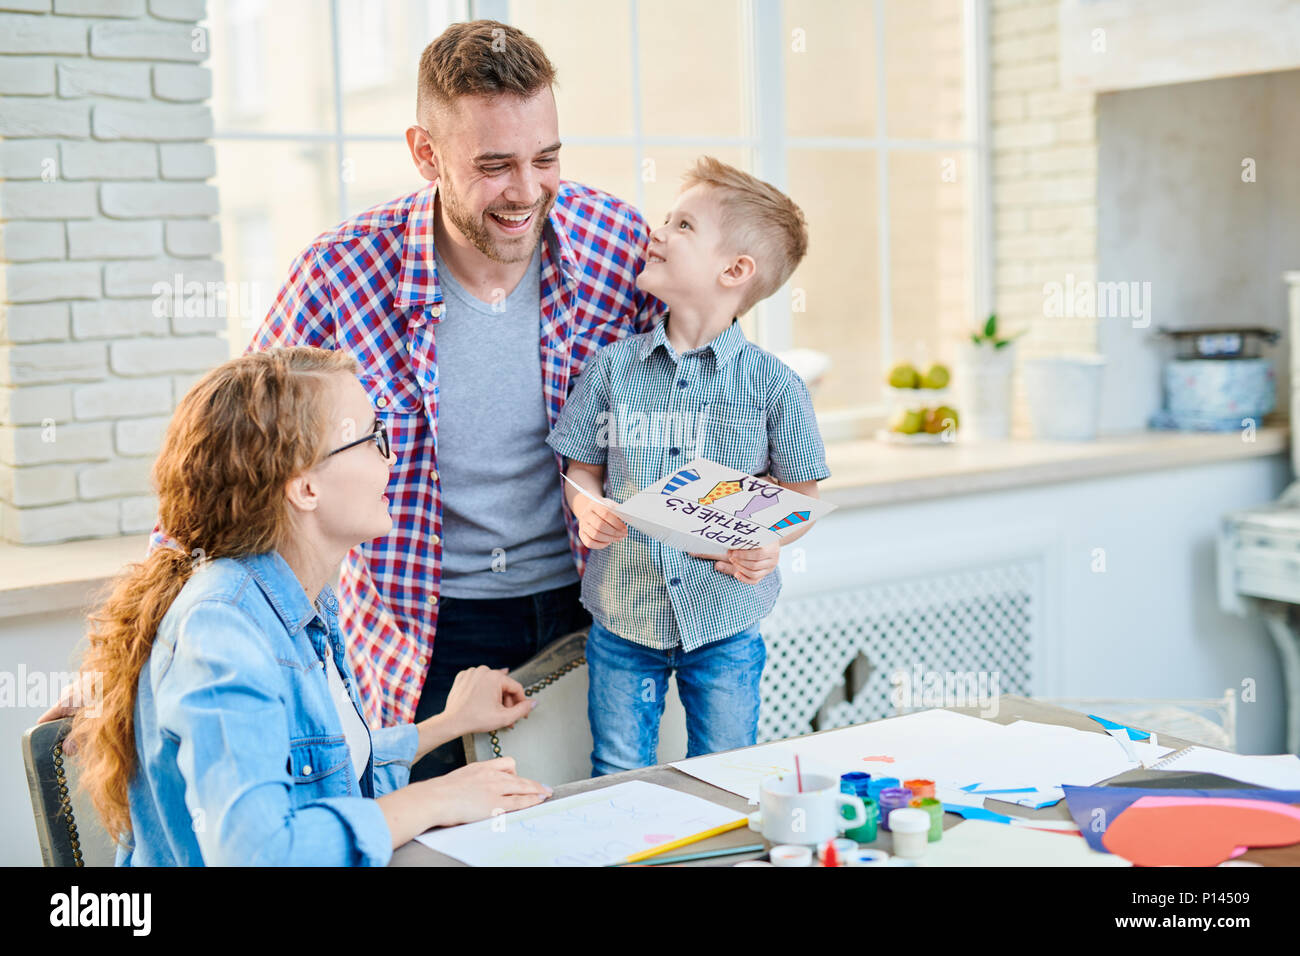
<point x="1210" y="721"/>
<point x="553" y="746"/>
<point x="67" y="838"/>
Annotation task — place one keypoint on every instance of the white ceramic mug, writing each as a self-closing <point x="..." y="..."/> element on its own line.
<point x="786" y="815"/>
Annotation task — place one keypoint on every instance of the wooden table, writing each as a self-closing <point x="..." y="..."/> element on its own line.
<point x="1010" y="708"/>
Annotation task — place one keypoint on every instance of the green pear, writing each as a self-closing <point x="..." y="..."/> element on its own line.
<point x="904" y="375"/>
<point x="936" y="376"/>
<point x="907" y="421"/>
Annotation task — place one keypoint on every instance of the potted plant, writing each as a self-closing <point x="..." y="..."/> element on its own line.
<point x="984" y="382"/>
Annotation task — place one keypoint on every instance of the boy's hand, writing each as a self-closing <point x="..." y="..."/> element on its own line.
<point x="749" y="565"/>
<point x="598" y="525"/>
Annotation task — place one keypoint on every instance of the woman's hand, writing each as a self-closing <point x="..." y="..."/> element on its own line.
<point x="75" y="696"/>
<point x="482" y="790"/>
<point x="482" y="700"/>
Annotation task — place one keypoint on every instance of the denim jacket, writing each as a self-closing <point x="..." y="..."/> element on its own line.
<point x="241" y="758"/>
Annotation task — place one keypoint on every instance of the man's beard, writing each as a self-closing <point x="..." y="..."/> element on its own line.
<point x="476" y="231"/>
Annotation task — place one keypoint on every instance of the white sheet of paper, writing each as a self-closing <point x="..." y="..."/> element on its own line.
<point x="741" y="771"/>
<point x="1277" y="771"/>
<point x="952" y="749"/>
<point x="981" y="843"/>
<point x="588" y="829"/>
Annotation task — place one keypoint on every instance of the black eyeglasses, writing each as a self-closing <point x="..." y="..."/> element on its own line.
<point x="379" y="436"/>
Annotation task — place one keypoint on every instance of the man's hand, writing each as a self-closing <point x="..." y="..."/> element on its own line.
<point x="749" y="565"/>
<point x="598" y="525"/>
<point x="482" y="700"/>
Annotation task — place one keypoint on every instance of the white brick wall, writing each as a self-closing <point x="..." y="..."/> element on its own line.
<point x="104" y="123"/>
<point x="1044" y="153"/>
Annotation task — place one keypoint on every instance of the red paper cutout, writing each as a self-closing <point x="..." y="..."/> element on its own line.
<point x="1198" y="831"/>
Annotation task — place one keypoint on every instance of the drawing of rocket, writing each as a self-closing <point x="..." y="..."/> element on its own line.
<point x="792" y="519"/>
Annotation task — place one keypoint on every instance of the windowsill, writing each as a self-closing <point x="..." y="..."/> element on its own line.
<point x="39" y="579"/>
<point x="865" y="473"/>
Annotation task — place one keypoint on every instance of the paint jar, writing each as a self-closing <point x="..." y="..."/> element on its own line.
<point x="868" y="832"/>
<point x="869" y="858"/>
<point x="935" y="808"/>
<point x="789" y="855"/>
<point x="920" y="788"/>
<point x="911" y="828"/>
<point x="881" y="783"/>
<point x="843" y="848"/>
<point x="891" y="799"/>
<point x="859" y="784"/>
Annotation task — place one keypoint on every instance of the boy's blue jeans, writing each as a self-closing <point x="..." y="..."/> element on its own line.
<point x="717" y="683"/>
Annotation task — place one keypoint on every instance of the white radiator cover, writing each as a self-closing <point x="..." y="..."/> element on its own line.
<point x="982" y="620"/>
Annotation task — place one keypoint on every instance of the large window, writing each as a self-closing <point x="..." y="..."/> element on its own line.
<point x="869" y="113"/>
<point x="311" y="100"/>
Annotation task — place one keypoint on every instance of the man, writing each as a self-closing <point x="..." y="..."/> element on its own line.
<point x="472" y="306"/>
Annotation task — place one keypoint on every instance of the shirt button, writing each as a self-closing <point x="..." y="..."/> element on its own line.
<point x="436" y="311"/>
<point x="433" y="600"/>
<point x="675" y="581"/>
<point x="681" y="383"/>
<point x="381" y="402"/>
<point x="434" y="539"/>
<point x="673" y="451"/>
<point x="306" y="770"/>
<point x="433" y="475"/>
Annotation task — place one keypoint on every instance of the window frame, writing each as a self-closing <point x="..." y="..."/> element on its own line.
<point x="767" y="150"/>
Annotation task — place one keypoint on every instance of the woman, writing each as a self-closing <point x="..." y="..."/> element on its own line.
<point x="230" y="730"/>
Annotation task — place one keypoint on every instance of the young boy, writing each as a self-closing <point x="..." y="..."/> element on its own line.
<point x="729" y="242"/>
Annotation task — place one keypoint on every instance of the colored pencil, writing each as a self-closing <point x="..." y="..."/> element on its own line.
<point x="684" y="841"/>
<point x="687" y="857"/>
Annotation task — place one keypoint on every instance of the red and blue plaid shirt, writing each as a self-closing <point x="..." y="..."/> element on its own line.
<point x="370" y="287"/>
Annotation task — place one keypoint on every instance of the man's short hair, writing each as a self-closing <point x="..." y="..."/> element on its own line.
<point x="480" y="58"/>
<point x="757" y="220"/>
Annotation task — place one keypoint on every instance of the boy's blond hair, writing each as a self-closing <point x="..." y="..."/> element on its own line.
<point x="758" y="220"/>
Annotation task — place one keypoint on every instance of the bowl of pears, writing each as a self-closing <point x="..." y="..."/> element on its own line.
<point x="921" y="412"/>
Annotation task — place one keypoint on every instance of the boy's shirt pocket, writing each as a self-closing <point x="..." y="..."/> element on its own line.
<point x="733" y="434"/>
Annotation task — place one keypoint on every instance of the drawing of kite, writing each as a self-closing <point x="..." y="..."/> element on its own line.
<point x="684" y="477"/>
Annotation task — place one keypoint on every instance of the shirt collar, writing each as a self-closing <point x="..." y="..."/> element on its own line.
<point x="726" y="344"/>
<point x="285" y="592"/>
<point x="417" y="283"/>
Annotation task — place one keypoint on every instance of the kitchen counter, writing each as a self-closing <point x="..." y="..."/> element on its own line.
<point x="865" y="473"/>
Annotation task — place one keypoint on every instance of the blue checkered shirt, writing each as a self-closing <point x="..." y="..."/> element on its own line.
<point x="642" y="410"/>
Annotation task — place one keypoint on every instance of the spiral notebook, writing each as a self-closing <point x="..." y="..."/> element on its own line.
<point x="1276" y="771"/>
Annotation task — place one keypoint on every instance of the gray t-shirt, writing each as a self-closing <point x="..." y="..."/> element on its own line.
<point x="502" y="514"/>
